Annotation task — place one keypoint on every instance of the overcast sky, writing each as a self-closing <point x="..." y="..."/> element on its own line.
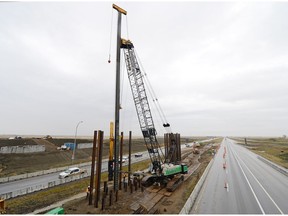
<point x="217" y="68"/>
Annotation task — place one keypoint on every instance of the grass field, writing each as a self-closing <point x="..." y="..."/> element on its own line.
<point x="274" y="149"/>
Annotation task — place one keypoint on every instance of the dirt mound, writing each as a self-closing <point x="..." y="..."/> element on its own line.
<point x="49" y="147"/>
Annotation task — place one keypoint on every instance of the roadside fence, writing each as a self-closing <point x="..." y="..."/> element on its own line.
<point x="39" y="173"/>
<point x="274" y="166"/>
<point x="21" y="149"/>
<point x="42" y="186"/>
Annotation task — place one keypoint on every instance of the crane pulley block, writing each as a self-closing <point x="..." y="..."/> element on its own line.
<point x="119" y="9"/>
<point x="126" y="44"/>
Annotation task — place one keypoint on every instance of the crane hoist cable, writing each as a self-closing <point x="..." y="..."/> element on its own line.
<point x="153" y="94"/>
<point x="157" y="105"/>
<point x="154" y="97"/>
<point x="127" y="26"/>
<point x="111" y="29"/>
<point x="122" y="63"/>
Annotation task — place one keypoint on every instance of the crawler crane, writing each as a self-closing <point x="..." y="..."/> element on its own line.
<point x="163" y="171"/>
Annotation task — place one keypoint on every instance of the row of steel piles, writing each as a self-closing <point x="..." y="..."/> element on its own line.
<point x="95" y="178"/>
<point x="172" y="147"/>
<point x="96" y="153"/>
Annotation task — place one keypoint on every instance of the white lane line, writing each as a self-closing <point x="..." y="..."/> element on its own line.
<point x="261" y="186"/>
<point x="257" y="200"/>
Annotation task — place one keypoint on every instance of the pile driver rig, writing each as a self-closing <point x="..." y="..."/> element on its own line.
<point x="163" y="171"/>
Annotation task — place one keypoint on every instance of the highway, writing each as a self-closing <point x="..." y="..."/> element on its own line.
<point x="22" y="184"/>
<point x="39" y="181"/>
<point x="246" y="186"/>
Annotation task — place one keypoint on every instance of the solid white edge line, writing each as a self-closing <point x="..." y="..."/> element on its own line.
<point x="260" y="206"/>
<point x="261" y="186"/>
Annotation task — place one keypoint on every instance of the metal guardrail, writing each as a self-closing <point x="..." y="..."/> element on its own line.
<point x="49" y="184"/>
<point x="39" y="173"/>
<point x="42" y="186"/>
<point x="44" y="172"/>
<point x="274" y="166"/>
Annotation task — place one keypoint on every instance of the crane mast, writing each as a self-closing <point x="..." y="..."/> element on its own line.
<point x="162" y="168"/>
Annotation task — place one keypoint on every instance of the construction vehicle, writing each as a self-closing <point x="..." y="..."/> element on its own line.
<point x="162" y="170"/>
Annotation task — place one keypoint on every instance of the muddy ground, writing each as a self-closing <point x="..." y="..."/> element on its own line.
<point x="172" y="203"/>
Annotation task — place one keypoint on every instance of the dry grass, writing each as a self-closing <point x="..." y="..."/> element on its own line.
<point x="273" y="149"/>
<point x="16" y="164"/>
<point x="29" y="203"/>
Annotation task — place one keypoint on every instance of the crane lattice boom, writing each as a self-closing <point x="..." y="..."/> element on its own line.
<point x="142" y="105"/>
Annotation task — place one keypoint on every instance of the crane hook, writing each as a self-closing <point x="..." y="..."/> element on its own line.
<point x="109" y="61"/>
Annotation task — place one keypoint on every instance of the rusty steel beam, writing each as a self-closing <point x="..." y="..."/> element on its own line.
<point x="129" y="162"/>
<point x="116" y="196"/>
<point x="110" y="197"/>
<point x="92" y="168"/>
<point x="121" y="157"/>
<point x="98" y="170"/>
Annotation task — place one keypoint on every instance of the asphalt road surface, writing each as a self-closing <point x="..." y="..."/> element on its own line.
<point x="246" y="186"/>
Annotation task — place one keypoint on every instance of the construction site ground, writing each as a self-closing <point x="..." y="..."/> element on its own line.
<point x="153" y="199"/>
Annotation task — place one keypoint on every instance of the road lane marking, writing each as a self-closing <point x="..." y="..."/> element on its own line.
<point x="261" y="186"/>
<point x="256" y="198"/>
<point x="226" y="186"/>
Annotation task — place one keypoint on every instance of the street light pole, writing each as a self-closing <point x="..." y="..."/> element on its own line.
<point x="73" y="154"/>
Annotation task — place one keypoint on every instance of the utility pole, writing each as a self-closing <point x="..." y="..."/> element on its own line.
<point x="117" y="97"/>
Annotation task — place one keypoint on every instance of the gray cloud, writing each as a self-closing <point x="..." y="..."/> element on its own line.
<point x="218" y="68"/>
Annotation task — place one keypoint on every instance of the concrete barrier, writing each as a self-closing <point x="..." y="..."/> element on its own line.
<point x="84" y="145"/>
<point x="38" y="173"/>
<point x="192" y="198"/>
<point x="22" y="149"/>
<point x="41" y="186"/>
<point x="274" y="166"/>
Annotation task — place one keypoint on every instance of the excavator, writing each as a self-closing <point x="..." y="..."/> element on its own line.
<point x="163" y="171"/>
